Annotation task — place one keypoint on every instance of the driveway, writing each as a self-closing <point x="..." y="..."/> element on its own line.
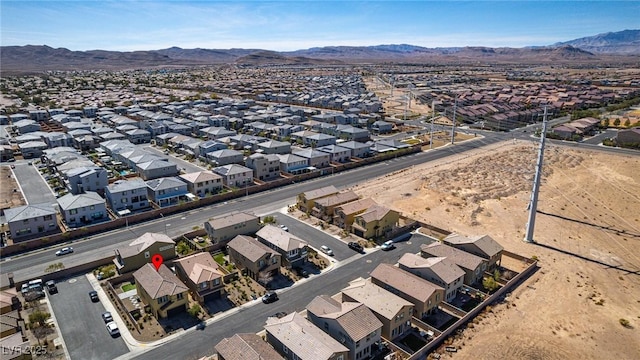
<point x="81" y="324"/>
<point x="34" y="188"/>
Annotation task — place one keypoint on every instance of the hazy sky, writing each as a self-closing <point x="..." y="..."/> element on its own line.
<point x="291" y="25"/>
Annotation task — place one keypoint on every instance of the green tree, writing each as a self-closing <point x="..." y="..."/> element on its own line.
<point x="607" y="122"/>
<point x="616" y="122"/>
<point x="269" y="219"/>
<point x="490" y="284"/>
<point x="194" y="310"/>
<point x="39" y="318"/>
<point x="627" y="123"/>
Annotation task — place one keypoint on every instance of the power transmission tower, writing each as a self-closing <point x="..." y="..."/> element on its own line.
<point x="533" y="204"/>
<point x="453" y="126"/>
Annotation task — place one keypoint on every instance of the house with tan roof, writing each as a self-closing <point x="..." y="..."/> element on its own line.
<point x="161" y="290"/>
<point x="11" y="322"/>
<point x="438" y="270"/>
<point x="295" y="337"/>
<point x="223" y="228"/>
<point x="257" y="260"/>
<point x="307" y="199"/>
<point x="472" y="265"/>
<point x="344" y="214"/>
<point x="246" y="347"/>
<point x="202" y="183"/>
<point x="424" y="295"/>
<point x="393" y="311"/>
<point x="292" y="249"/>
<point x="484" y="246"/>
<point x="202" y="276"/>
<point x="15" y="347"/>
<point x="140" y="251"/>
<point x="324" y="208"/>
<point x="375" y="222"/>
<point x="34" y="220"/>
<point x="351" y="323"/>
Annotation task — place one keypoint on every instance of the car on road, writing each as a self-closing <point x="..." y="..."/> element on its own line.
<point x="283" y="227"/>
<point x="113" y="329"/>
<point x="93" y="295"/>
<point x="355" y="246"/>
<point x="64" y="251"/>
<point x="51" y="287"/>
<point x="269" y="297"/>
<point x="388" y="245"/>
<point x="325" y="249"/>
<point x="106" y="316"/>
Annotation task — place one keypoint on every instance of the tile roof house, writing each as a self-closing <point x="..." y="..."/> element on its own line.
<point x="393" y="311"/>
<point x="376" y="221"/>
<point x="259" y="261"/>
<point x="344" y="214"/>
<point x="274" y="147"/>
<point x="223" y="228"/>
<point x="628" y="136"/>
<point x="351" y="323"/>
<point x="336" y="153"/>
<point x="315" y="158"/>
<point x="246" y="347"/>
<point x="224" y="157"/>
<point x="202" y="276"/>
<point x="484" y="246"/>
<point x="139" y="251"/>
<point x="128" y="194"/>
<point x="292" y="164"/>
<point x="202" y="183"/>
<point x="306" y="200"/>
<point x="424" y="295"/>
<point x="167" y="191"/>
<point x="472" y="265"/>
<point x="30" y="221"/>
<point x="161" y="290"/>
<point x="235" y="175"/>
<point x="438" y="270"/>
<point x="83" y="209"/>
<point x="292" y="248"/>
<point x="295" y="337"/>
<point x="324" y="208"/>
<point x="156" y="168"/>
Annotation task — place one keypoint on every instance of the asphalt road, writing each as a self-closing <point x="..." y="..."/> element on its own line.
<point x="80" y="322"/>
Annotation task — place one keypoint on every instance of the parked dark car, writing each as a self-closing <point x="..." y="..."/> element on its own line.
<point x="51" y="287"/>
<point x="300" y="271"/>
<point x="355" y="246"/>
<point x="269" y="297"/>
<point x="93" y="295"/>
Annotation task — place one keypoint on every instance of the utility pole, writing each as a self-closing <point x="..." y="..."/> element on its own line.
<point x="433" y="118"/>
<point x="453" y="126"/>
<point x="533" y="204"/>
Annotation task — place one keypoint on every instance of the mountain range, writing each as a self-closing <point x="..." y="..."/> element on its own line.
<point x="610" y="47"/>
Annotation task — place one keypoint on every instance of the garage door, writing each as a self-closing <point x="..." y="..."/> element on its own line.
<point x="176" y="311"/>
<point x="212" y="296"/>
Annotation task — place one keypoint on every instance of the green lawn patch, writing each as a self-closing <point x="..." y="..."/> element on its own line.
<point x="128" y="287"/>
<point x="219" y="258"/>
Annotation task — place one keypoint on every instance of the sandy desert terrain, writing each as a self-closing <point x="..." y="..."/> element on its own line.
<point x="587" y="239"/>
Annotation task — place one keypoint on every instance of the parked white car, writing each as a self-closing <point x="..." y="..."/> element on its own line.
<point x="113" y="328"/>
<point x="388" y="245"/>
<point x="325" y="249"/>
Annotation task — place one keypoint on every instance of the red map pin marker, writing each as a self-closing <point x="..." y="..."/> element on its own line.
<point x="157" y="260"/>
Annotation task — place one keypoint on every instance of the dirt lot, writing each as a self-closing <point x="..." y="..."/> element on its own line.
<point x="10" y="198"/>
<point x="587" y="236"/>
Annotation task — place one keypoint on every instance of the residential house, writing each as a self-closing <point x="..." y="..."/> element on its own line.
<point x="315" y="158"/>
<point x="306" y="200"/>
<point x="92" y="178"/>
<point x="234" y="175"/>
<point x="393" y="311"/>
<point x="202" y="183"/>
<point x="138" y="136"/>
<point x="381" y="127"/>
<point x="351" y="133"/>
<point x="167" y="191"/>
<point x="565" y="131"/>
<point x="628" y="137"/>
<point x="257" y="260"/>
<point x="483" y="246"/>
<point x="292" y="164"/>
<point x="438" y="270"/>
<point x="337" y="154"/>
<point x="376" y="221"/>
<point x="11" y="323"/>
<point x="140" y="251"/>
<point x="472" y="265"/>
<point x="424" y="295"/>
<point x="156" y="168"/>
<point x="161" y="291"/>
<point x="351" y="323"/>
<point x="31" y="221"/>
<point x="246" y="347"/>
<point x="208" y="146"/>
<point x="292" y="249"/>
<point x="324" y="208"/>
<point x="295" y="337"/>
<point x="32" y="149"/>
<point x="274" y="147"/>
<point x="344" y="214"/>
<point x="82" y="209"/>
<point x="129" y="195"/>
<point x="6" y="153"/>
<point x="202" y="276"/>
<point x="224" y="157"/>
<point x="225" y="227"/>
<point x="265" y="166"/>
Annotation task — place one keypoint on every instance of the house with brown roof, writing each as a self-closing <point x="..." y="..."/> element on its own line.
<point x="223" y="228"/>
<point x="438" y="270"/>
<point x="140" y="251"/>
<point x="324" y="208"/>
<point x="345" y="214"/>
<point x="259" y="261"/>
<point x="351" y="323"/>
<point x="295" y="337"/>
<point x="483" y="245"/>
<point x="307" y="199"/>
<point x="202" y="183"/>
<point x="628" y="136"/>
<point x="292" y="249"/>
<point x="472" y="265"/>
<point x="161" y="290"/>
<point x="424" y="295"/>
<point x="10" y="323"/>
<point x="9" y="300"/>
<point x="393" y="311"/>
<point x="376" y="221"/>
<point x="246" y="347"/>
<point x="202" y="276"/>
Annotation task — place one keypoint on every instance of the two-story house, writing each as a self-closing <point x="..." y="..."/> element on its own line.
<point x="345" y="214"/>
<point x="93" y="178"/>
<point x="265" y="166"/>
<point x="351" y="323"/>
<point x="141" y="250"/>
<point x="202" y="183"/>
<point x="127" y="195"/>
<point x="274" y="147"/>
<point x="246" y="346"/>
<point x="484" y="246"/>
<point x="472" y="265"/>
<point x="161" y="291"/>
<point x="167" y="191"/>
<point x="257" y="260"/>
<point x="293" y="164"/>
<point x="438" y="270"/>
<point x="376" y="221"/>
<point x="315" y="158"/>
<point x="202" y="276"/>
<point x="156" y="168"/>
<point x="337" y="154"/>
<point x="31" y="221"/>
<point x="234" y="175"/>
<point x="292" y="249"/>
<point x="83" y="209"/>
<point x="224" y="157"/>
<point x="324" y="208"/>
<point x="223" y="228"/>
<point x="306" y="200"/>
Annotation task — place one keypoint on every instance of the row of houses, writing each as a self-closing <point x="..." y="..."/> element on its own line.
<point x="14" y="343"/>
<point x="580" y="127"/>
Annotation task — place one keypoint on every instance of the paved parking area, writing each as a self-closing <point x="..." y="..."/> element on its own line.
<point x="81" y="324"/>
<point x="34" y="188"/>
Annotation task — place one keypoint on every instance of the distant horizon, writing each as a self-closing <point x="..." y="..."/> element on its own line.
<point x="298" y="25"/>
